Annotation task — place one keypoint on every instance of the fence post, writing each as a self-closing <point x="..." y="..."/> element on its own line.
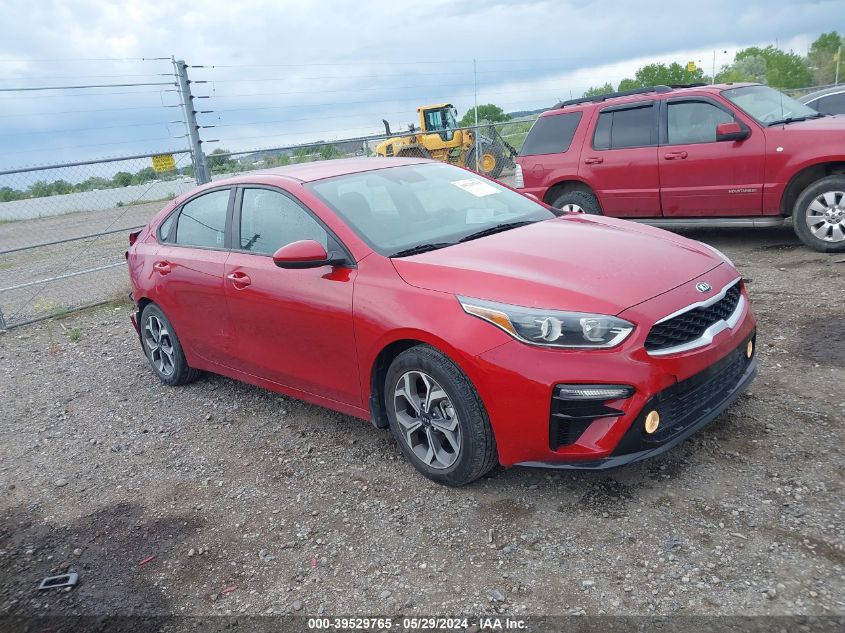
<point x="200" y="166"/>
<point x="3" y="326"/>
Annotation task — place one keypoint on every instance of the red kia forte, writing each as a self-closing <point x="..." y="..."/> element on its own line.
<point x="481" y="326"/>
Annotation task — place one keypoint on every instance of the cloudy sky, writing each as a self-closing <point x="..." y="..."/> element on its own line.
<point x="280" y="72"/>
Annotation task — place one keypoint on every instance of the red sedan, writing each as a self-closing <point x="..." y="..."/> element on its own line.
<point x="482" y="327"/>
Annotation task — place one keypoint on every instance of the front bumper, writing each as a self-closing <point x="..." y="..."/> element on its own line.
<point x="687" y="406"/>
<point x="517" y="384"/>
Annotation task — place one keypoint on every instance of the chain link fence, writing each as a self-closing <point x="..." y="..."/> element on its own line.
<point x="63" y="230"/>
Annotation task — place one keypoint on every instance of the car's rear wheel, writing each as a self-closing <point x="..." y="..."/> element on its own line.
<point x="163" y="349"/>
<point x="819" y="215"/>
<point x="577" y="201"/>
<point x="438" y="418"/>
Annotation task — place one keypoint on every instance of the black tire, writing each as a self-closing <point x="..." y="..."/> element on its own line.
<point x="176" y="373"/>
<point x="835" y="242"/>
<point x="477" y="454"/>
<point x="577" y="199"/>
<point x="495" y="153"/>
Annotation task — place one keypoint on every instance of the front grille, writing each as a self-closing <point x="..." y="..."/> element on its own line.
<point x="693" y="398"/>
<point x="686" y="403"/>
<point x="690" y="325"/>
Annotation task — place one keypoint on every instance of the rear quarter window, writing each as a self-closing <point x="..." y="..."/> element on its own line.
<point x="551" y="134"/>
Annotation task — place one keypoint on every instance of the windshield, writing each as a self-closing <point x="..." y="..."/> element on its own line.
<point x="768" y="105"/>
<point x="423" y="206"/>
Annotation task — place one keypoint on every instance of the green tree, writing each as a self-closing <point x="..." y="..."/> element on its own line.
<point x="329" y="151"/>
<point x="143" y="175"/>
<point x="600" y="90"/>
<point x="629" y="84"/>
<point x="219" y="159"/>
<point x="751" y="68"/>
<point x="822" y="57"/>
<point x="489" y="112"/>
<point x="122" y="179"/>
<point x="301" y="155"/>
<point x="62" y="187"/>
<point x="40" y="189"/>
<point x="783" y="70"/>
<point x="7" y="194"/>
<point x="661" y="74"/>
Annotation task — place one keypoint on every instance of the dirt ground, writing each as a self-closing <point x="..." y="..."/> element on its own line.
<point x="252" y="503"/>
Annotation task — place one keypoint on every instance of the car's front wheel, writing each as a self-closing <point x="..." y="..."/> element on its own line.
<point x="438" y="418"/>
<point x="819" y="215"/>
<point x="163" y="349"/>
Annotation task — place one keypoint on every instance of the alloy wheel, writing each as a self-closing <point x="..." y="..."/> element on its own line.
<point x="571" y="207"/>
<point x="825" y="216"/>
<point x="160" y="344"/>
<point x="427" y="419"/>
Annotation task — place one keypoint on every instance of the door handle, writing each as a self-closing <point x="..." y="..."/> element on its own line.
<point x="675" y="155"/>
<point x="162" y="268"/>
<point x="593" y="160"/>
<point x="239" y="280"/>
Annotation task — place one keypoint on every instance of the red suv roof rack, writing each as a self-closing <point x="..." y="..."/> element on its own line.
<point x="626" y="93"/>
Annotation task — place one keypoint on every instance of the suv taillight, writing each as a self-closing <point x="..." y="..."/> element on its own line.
<point x="133" y="237"/>
<point x="518" y="181"/>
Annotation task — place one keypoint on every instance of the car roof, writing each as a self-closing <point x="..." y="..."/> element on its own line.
<point x="642" y="94"/>
<point x="308" y="172"/>
<point x="832" y="90"/>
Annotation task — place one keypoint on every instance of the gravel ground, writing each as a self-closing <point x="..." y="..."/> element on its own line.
<point x="253" y="503"/>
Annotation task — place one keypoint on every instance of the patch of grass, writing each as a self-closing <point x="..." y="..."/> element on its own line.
<point x="74" y="334"/>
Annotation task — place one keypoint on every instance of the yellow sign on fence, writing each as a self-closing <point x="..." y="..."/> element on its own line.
<point x="691" y="67"/>
<point x="163" y="162"/>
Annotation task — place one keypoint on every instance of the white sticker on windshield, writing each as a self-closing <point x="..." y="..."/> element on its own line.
<point x="476" y="187"/>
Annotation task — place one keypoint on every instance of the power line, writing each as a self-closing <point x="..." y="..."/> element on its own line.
<point x="84" y="59"/>
<point x="53" y="113"/>
<point x="47" y="149"/>
<point x="132" y="85"/>
<point x="92" y="129"/>
<point x="90" y="94"/>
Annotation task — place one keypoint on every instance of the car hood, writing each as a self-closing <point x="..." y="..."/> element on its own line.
<point x="575" y="262"/>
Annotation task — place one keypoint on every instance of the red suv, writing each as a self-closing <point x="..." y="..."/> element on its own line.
<point x="682" y="157"/>
<point x="476" y="323"/>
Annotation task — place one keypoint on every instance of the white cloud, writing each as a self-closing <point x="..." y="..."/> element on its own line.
<point x="324" y="69"/>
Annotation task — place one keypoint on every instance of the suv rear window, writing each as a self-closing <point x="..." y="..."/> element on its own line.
<point x="551" y="134"/>
<point x="631" y="127"/>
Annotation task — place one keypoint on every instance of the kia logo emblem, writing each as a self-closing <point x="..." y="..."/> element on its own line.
<point x="703" y="286"/>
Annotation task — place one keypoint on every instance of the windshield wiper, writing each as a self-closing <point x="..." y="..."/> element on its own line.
<point x="495" y="229"/>
<point x="795" y="119"/>
<point x="421" y="248"/>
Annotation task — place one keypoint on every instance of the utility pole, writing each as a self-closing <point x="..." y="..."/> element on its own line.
<point x="838" y="57"/>
<point x="475" y="80"/>
<point x="200" y="166"/>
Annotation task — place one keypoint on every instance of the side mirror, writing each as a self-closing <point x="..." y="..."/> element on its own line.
<point x="533" y="197"/>
<point x="305" y="254"/>
<point x="732" y="131"/>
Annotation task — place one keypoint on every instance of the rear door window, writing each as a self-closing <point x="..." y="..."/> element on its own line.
<point x="551" y="134"/>
<point x="202" y="221"/>
<point x="625" y="128"/>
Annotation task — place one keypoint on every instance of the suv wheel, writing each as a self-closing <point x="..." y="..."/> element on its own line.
<point x="819" y="215"/>
<point x="577" y="202"/>
<point x="437" y="417"/>
<point x="163" y="349"/>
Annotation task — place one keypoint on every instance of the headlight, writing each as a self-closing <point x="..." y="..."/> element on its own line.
<point x="551" y="328"/>
<point x="718" y="252"/>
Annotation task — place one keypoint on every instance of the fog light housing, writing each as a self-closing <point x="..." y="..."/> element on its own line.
<point x="749" y="349"/>
<point x="652" y="421"/>
<point x="593" y="392"/>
